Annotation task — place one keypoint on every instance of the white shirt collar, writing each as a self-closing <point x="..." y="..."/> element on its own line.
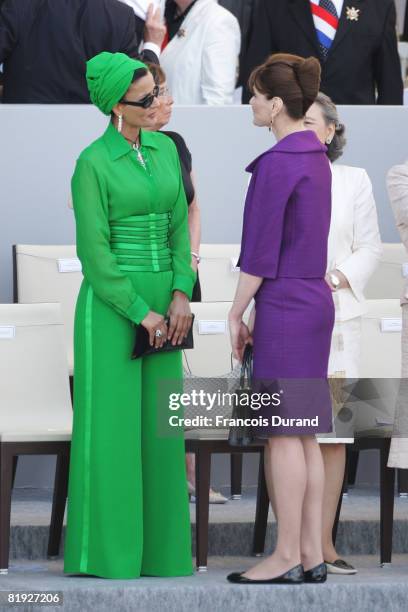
<point x="339" y="6"/>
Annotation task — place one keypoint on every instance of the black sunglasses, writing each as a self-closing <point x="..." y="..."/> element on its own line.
<point x="146" y="102"/>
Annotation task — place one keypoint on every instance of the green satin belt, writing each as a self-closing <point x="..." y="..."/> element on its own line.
<point x="141" y="243"/>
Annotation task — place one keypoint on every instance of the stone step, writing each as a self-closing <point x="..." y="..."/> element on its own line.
<point x="354" y="538"/>
<point x="230" y="528"/>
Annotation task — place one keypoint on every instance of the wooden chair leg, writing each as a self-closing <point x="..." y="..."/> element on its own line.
<point x="387" y="492"/>
<point x="203" y="473"/>
<point x="15" y="462"/>
<point x="262" y="509"/>
<point x="58" y="504"/>
<point x="236" y="475"/>
<point x="343" y="489"/>
<point x="6" y="477"/>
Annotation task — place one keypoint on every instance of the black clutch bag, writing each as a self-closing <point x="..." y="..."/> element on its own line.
<point x="241" y="435"/>
<point x="142" y="346"/>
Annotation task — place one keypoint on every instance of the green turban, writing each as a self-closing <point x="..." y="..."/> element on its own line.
<point x="109" y="76"/>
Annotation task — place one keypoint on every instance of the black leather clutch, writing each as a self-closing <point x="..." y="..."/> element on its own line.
<point x="142" y="346"/>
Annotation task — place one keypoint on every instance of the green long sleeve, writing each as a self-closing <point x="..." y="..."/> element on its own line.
<point x="99" y="267"/>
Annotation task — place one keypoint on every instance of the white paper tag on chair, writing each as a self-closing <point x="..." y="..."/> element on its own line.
<point x="389" y="324"/>
<point x="234" y="267"/>
<point x="405" y="270"/>
<point x="69" y="265"/>
<point x="7" y="332"/>
<point x="212" y="327"/>
<point x="383" y="422"/>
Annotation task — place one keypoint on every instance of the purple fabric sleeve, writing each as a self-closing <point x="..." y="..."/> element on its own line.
<point x="270" y="189"/>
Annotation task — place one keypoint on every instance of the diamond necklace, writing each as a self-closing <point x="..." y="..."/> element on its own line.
<point x="139" y="155"/>
<point x="136" y="148"/>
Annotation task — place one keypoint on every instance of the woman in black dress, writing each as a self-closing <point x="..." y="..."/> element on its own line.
<point x="163" y="118"/>
<point x="194" y="224"/>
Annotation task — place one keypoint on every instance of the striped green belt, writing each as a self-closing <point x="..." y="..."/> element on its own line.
<point x="141" y="243"/>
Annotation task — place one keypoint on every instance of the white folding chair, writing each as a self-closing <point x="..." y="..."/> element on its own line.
<point x="381" y="339"/>
<point x="211" y="355"/>
<point x="49" y="273"/>
<point x="388" y="278"/>
<point x="35" y="407"/>
<point x="380" y="367"/>
<point x="373" y="401"/>
<point x="218" y="272"/>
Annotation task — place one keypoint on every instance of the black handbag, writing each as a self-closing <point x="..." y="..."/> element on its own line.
<point x="142" y="345"/>
<point x="241" y="435"/>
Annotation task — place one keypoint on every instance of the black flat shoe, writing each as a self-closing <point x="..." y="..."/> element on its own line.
<point x="292" y="576"/>
<point x="316" y="574"/>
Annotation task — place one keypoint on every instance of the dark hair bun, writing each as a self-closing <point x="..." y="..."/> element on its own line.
<point x="293" y="78"/>
<point x="308" y="74"/>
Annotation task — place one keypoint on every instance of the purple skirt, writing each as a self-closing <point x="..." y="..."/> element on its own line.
<point x="292" y="336"/>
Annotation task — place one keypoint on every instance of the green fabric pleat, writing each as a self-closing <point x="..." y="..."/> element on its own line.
<point x="87" y="433"/>
<point x="148" y="235"/>
<point x="141" y="218"/>
<point x="151" y="268"/>
<point x="136" y="247"/>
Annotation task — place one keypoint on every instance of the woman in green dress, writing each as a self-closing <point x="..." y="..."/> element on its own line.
<point x="128" y="512"/>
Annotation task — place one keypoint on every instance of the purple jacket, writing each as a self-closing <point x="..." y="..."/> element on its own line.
<point x="287" y="210"/>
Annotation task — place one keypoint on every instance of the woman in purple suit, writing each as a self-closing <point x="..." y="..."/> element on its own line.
<point x="283" y="264"/>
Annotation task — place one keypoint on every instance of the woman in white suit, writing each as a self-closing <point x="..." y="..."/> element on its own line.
<point x="354" y="249"/>
<point x="397" y="183"/>
<point x="201" y="57"/>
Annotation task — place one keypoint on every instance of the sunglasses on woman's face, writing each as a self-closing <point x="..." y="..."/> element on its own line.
<point x="146" y="102"/>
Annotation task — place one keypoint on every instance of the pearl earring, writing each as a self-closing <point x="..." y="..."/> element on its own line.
<point x="120" y="123"/>
<point x="328" y="140"/>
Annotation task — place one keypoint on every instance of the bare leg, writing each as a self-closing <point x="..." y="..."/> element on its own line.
<point x="288" y="473"/>
<point x="334" y="458"/>
<point x="311" y="535"/>
<point x="190" y="467"/>
<point x="269" y="483"/>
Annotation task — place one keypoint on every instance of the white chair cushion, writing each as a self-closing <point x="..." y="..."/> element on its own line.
<point x="218" y="279"/>
<point x="39" y="279"/>
<point x="387" y="281"/>
<point x="35" y="436"/>
<point x="34" y="378"/>
<point x="206" y="434"/>
<point x="381" y="350"/>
